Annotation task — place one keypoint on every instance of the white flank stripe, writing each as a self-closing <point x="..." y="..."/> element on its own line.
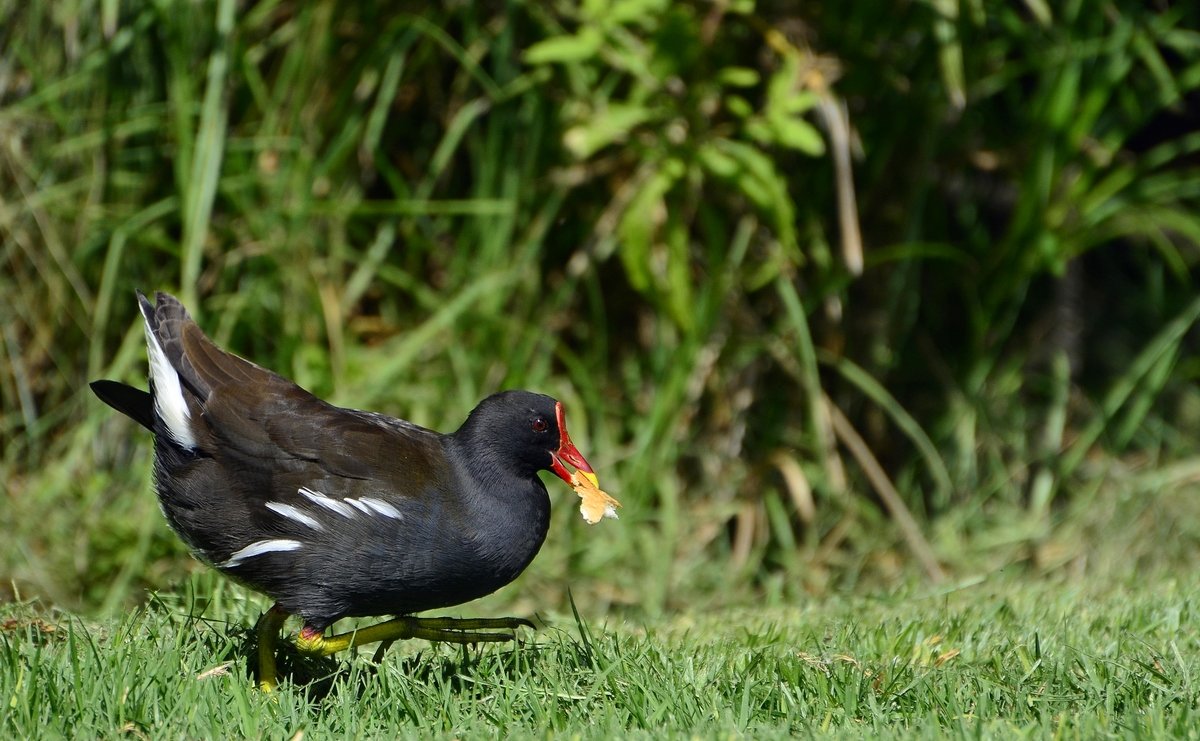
<point x="358" y="505"/>
<point x="168" y="394"/>
<point x="259" y="548"/>
<point x="292" y="513"/>
<point x="328" y="503"/>
<point x="382" y="508"/>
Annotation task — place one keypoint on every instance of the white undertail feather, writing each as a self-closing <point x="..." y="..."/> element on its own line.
<point x="169" y="403"/>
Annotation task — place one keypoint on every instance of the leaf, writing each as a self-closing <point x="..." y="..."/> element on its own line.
<point x="950" y="51"/>
<point x="738" y="77"/>
<point x="716" y="161"/>
<point x="640" y="222"/>
<point x="784" y="85"/>
<point x="1062" y="105"/>
<point x="628" y="12"/>
<point x="796" y="133"/>
<point x="739" y="106"/>
<point x="680" y="297"/>
<point x="786" y="100"/>
<point x="606" y="126"/>
<point x="754" y="174"/>
<point x="727" y="167"/>
<point x="801" y="101"/>
<point x="566" y="48"/>
<point x="759" y="129"/>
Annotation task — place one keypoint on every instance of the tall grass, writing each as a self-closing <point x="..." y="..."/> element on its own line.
<point x="824" y="295"/>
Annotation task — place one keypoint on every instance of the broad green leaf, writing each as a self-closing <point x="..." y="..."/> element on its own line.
<point x="606" y="126"/>
<point x="796" y="133"/>
<point x="786" y="99"/>
<point x="783" y="85"/>
<point x="640" y="222"/>
<point x="567" y="48"/>
<point x="760" y="131"/>
<point x="738" y="77"/>
<point x="739" y="106"/>
<point x="755" y="176"/>
<point x="627" y="12"/>
<point x="725" y="166"/>
<point x="800" y="102"/>
<point x="716" y="161"/>
<point x="595" y="10"/>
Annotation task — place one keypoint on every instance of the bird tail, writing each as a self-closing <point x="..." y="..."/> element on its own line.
<point x="134" y="403"/>
<point x="165" y="320"/>
<point x="164" y="409"/>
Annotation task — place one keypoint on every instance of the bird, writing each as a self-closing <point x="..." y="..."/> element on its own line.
<point x="334" y="512"/>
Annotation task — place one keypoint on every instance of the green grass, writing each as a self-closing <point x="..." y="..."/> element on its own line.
<point x="646" y="209"/>
<point x="998" y="657"/>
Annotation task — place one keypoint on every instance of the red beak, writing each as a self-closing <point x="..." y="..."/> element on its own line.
<point x="566" y="450"/>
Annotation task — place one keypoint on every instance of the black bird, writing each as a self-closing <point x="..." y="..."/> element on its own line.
<point x="336" y="512"/>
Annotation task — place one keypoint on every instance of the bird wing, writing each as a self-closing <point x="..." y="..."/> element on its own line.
<point x="262" y="419"/>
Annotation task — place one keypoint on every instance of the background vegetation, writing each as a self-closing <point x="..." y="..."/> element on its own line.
<point x="837" y="294"/>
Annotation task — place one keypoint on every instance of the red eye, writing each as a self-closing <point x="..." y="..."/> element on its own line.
<point x="539" y="425"/>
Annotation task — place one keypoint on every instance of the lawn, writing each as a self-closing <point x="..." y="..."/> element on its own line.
<point x="881" y="317"/>
<point x="995" y="657"/>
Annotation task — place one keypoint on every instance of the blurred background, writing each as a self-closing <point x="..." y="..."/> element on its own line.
<point x="838" y="295"/>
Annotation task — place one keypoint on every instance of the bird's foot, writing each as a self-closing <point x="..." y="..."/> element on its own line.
<point x="267" y="630"/>
<point x="449" y="630"/>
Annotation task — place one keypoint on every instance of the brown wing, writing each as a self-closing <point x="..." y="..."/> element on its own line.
<point x="261" y="418"/>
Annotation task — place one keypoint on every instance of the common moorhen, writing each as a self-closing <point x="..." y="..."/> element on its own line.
<point x="335" y="512"/>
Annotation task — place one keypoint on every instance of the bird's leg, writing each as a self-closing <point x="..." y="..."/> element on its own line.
<point x="384" y="645"/>
<point x="267" y="630"/>
<point x="450" y="630"/>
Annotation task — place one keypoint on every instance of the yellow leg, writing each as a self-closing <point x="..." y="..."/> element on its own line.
<point x="268" y="631"/>
<point x="449" y="630"/>
<point x="381" y="649"/>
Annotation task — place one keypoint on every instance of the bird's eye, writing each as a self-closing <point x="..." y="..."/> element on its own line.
<point x="539" y="425"/>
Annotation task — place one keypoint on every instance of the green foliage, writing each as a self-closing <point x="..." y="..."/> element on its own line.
<point x="991" y="659"/>
<point x="800" y="272"/>
<point x="655" y="103"/>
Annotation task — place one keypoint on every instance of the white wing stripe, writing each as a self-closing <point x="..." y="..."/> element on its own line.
<point x="347" y="507"/>
<point x="382" y="507"/>
<point x="292" y="513"/>
<point x="328" y="503"/>
<point x="258" y="548"/>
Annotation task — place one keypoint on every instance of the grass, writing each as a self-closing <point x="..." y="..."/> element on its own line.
<point x="997" y="657"/>
<point x="648" y="210"/>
